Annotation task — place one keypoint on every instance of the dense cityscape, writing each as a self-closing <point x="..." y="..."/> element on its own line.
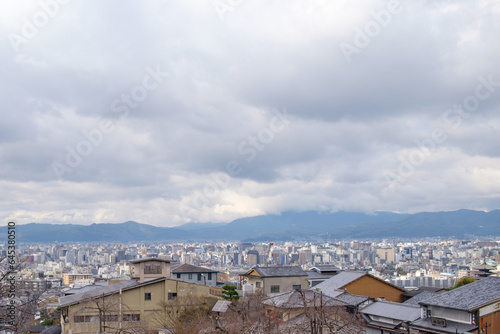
<point x="51" y="272"/>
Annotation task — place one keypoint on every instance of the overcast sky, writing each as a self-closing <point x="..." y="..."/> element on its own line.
<point x="166" y="112"/>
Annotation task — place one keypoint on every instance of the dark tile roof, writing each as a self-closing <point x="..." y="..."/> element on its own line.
<point x="280" y="271"/>
<point x="45" y="329"/>
<point x="325" y="268"/>
<point x="414" y="292"/>
<point x="149" y="259"/>
<point x="283" y="271"/>
<point x="420" y="298"/>
<point x="104" y="290"/>
<point x="189" y="268"/>
<point x="397" y="311"/>
<point x="352" y="300"/>
<point x="313" y="275"/>
<point x="485" y="267"/>
<point x="301" y="298"/>
<point x="468" y="297"/>
<point x="52" y="330"/>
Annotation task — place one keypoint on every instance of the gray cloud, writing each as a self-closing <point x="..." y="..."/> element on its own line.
<point x="354" y="123"/>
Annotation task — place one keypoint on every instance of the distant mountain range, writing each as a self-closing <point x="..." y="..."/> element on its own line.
<point x="287" y="226"/>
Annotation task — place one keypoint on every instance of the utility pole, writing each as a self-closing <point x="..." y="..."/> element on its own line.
<point x="103" y="314"/>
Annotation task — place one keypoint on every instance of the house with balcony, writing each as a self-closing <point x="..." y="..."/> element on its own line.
<point x="270" y="280"/>
<point x="194" y="274"/>
<point x="150" y="268"/>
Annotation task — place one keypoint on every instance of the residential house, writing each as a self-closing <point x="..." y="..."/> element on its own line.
<point x="309" y="311"/>
<point x="150" y="268"/>
<point x="321" y="273"/>
<point x="294" y="303"/>
<point x="384" y="317"/>
<point x="361" y="284"/>
<point x="189" y="273"/>
<point x="269" y="280"/>
<point x="472" y="308"/>
<point x="129" y="306"/>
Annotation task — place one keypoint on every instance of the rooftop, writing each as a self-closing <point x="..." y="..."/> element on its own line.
<point x="149" y="259"/>
<point x="414" y="292"/>
<point x="353" y="300"/>
<point x="285" y="271"/>
<point x="325" y="268"/>
<point x="336" y="282"/>
<point x="468" y="297"/>
<point x="104" y="290"/>
<point x="301" y="298"/>
<point x="415" y="300"/>
<point x="397" y="311"/>
<point x="189" y="268"/>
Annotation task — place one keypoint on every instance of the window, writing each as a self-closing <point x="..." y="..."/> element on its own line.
<point x="81" y="318"/>
<point x="172" y="295"/>
<point x="297" y="287"/>
<point x="152" y="269"/>
<point x="199" y="277"/>
<point x="275" y="288"/>
<point x="111" y="318"/>
<point x="190" y="276"/>
<point x="258" y="285"/>
<point x="147" y="296"/>
<point x="209" y="276"/>
<point x="178" y="275"/>
<point x="131" y="317"/>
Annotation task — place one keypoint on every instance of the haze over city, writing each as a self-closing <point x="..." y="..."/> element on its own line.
<point x="173" y="112"/>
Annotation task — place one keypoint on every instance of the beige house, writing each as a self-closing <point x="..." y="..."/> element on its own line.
<point x="145" y="269"/>
<point x="269" y="280"/>
<point x="132" y="306"/>
<point x="126" y="305"/>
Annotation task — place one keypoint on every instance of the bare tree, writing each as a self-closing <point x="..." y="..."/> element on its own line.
<point x="248" y="315"/>
<point x="184" y="315"/>
<point x="111" y="314"/>
<point x="319" y="314"/>
<point x="18" y="306"/>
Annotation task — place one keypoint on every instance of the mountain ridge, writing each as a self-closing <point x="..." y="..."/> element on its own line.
<point x="289" y="225"/>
